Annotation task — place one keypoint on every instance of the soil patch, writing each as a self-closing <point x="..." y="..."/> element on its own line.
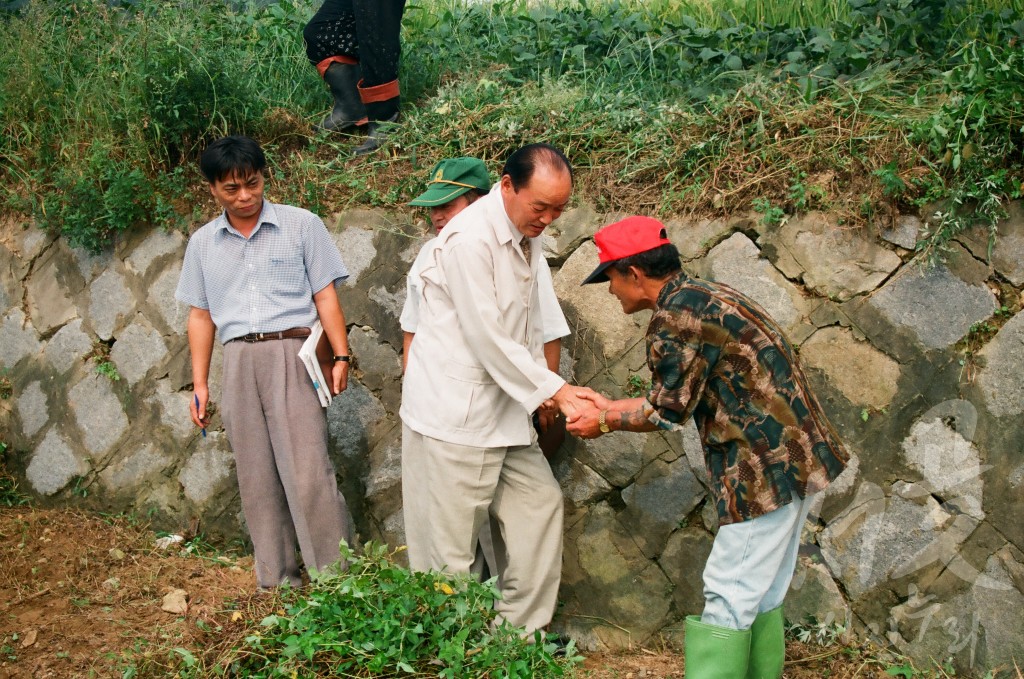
<point x="83" y="595"/>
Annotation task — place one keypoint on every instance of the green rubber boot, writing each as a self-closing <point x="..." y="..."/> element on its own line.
<point x="767" y="646"/>
<point x="714" y="652"/>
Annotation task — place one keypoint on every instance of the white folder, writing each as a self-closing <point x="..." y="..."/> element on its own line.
<point x="309" y="359"/>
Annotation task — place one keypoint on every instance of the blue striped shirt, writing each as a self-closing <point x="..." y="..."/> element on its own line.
<point x="264" y="283"/>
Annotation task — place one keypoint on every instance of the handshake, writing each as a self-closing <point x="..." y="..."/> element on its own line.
<point x="581" y="406"/>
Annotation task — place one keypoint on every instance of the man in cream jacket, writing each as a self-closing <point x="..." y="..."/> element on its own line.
<point x="476" y="374"/>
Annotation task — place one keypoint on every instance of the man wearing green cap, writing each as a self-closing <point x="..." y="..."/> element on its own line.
<point x="715" y="354"/>
<point x="454" y="185"/>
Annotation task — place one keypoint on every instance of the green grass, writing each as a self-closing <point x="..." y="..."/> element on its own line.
<point x="665" y="107"/>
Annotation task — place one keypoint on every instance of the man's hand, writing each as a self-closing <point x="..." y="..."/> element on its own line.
<point x="599" y="401"/>
<point x="197" y="406"/>
<point x="546" y="415"/>
<point x="339" y="377"/>
<point x="585" y="424"/>
<point x="570" y="400"/>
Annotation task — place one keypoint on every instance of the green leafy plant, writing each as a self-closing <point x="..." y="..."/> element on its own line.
<point x="101" y="358"/>
<point x="803" y="195"/>
<point x="191" y="94"/>
<point x="6" y="388"/>
<point x="637" y="385"/>
<point x="771" y="215"/>
<point x="92" y="202"/>
<point x="81" y="487"/>
<point x="888" y="175"/>
<point x="977" y="138"/>
<point x="818" y="633"/>
<point x="108" y="370"/>
<point x="379" y="619"/>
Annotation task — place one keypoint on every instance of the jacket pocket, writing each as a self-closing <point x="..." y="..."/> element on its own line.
<point x="474" y="374"/>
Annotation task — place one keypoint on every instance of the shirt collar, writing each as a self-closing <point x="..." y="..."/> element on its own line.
<point x="673" y="284"/>
<point x="504" y="230"/>
<point x="268" y="215"/>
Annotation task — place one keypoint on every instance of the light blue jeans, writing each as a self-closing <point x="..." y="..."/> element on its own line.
<point x="751" y="566"/>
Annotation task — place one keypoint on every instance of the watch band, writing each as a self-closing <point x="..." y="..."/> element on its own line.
<point x="346" y="358"/>
<point x="602" y="424"/>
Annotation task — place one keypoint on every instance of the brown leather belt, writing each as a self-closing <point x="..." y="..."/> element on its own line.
<point x="265" y="336"/>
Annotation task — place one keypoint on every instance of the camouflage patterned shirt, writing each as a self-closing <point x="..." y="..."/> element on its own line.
<point x="717" y="355"/>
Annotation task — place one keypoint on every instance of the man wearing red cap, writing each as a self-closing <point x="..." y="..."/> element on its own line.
<point x="716" y="355"/>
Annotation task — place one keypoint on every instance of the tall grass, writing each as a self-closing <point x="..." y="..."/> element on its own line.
<point x="664" y="105"/>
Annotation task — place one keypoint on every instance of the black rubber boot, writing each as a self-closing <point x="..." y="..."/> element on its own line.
<point x="349" y="111"/>
<point x="376" y="134"/>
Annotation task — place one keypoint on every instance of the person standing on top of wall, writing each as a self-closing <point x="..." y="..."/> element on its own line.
<point x="354" y="45"/>
<point x="715" y="354"/>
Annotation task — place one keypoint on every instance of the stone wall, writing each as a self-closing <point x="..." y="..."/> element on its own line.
<point x="919" y="544"/>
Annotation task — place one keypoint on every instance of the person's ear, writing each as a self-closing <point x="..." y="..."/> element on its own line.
<point x="636" y="273"/>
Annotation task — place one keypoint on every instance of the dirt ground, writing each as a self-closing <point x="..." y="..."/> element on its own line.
<point x="82" y="595"/>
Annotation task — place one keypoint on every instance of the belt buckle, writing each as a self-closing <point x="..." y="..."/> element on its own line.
<point x="260" y="336"/>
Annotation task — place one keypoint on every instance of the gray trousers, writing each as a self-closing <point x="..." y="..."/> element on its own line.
<point x="278" y="432"/>
<point x="448" y="493"/>
<point x="751" y="565"/>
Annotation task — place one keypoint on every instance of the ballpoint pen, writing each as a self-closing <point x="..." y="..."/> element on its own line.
<point x="197" y="413"/>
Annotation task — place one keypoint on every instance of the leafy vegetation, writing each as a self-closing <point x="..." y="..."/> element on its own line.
<point x="637" y="385"/>
<point x="376" y="619"/>
<point x="100" y="356"/>
<point x="855" y="106"/>
<point x="817" y="633"/>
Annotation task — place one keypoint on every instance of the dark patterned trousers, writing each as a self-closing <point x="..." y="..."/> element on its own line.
<point x="364" y="32"/>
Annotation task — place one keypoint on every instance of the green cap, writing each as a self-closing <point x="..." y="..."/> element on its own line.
<point x="451" y="178"/>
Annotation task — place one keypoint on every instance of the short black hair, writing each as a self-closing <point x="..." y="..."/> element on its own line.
<point x="230" y="156"/>
<point x="660" y="262"/>
<point x="521" y="165"/>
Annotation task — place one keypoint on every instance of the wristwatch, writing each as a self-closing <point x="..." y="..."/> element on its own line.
<point x="601" y="424"/>
<point x="344" y="358"/>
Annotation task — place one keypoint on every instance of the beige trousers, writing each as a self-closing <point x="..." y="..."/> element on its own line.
<point x="278" y="432"/>
<point x="449" y="491"/>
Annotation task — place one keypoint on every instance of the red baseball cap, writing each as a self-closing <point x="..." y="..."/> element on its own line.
<point x="625" y="238"/>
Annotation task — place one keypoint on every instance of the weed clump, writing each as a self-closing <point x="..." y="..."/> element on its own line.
<point x="379" y="619"/>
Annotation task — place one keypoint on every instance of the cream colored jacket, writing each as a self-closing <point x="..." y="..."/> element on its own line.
<point x="476" y="367"/>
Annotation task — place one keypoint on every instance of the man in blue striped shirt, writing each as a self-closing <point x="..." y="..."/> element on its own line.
<point x="257" y="277"/>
